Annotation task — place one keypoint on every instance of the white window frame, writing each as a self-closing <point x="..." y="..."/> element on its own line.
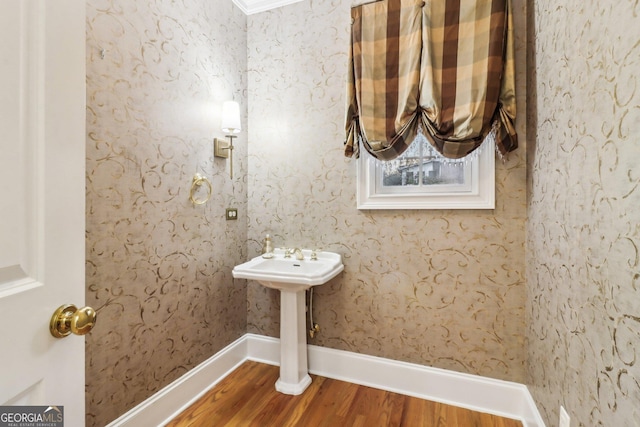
<point x="480" y="196"/>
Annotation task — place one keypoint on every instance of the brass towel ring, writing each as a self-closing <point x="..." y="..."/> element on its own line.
<point x="198" y="180"/>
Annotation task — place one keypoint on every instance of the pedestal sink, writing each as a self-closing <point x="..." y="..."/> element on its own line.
<point x="292" y="277"/>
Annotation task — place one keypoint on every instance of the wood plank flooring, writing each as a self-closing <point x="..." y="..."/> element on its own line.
<point x="247" y="397"/>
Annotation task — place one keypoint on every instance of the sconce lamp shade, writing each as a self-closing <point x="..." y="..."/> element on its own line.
<point x="231" y="117"/>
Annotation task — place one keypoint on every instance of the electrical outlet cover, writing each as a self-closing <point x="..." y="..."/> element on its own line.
<point x="232" y="214"/>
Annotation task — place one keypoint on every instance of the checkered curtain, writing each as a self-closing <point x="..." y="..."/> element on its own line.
<point x="444" y="66"/>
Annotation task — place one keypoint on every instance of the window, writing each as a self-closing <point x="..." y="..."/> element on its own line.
<point x="422" y="179"/>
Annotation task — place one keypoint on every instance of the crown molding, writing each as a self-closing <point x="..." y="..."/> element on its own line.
<point x="249" y="7"/>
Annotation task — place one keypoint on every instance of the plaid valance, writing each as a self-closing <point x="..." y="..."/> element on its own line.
<point x="446" y="66"/>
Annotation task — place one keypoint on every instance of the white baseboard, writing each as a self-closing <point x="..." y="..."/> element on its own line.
<point x="503" y="398"/>
<point x="164" y="405"/>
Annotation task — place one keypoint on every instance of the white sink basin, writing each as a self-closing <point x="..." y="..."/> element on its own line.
<point x="291" y="274"/>
<point x="292" y="277"/>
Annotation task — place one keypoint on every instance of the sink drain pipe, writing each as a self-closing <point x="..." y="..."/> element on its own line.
<point x="314" y="327"/>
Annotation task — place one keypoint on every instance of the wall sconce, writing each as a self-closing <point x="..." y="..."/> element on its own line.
<point x="230" y="125"/>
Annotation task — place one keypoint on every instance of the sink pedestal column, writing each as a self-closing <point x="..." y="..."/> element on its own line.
<point x="294" y="375"/>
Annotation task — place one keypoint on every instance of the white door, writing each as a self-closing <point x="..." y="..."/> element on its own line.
<point x="42" y="181"/>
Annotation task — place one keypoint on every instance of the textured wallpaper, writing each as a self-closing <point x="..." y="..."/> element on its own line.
<point x="583" y="235"/>
<point x="439" y="288"/>
<point x="159" y="268"/>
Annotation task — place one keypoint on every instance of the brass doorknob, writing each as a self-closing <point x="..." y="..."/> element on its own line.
<point x="69" y="319"/>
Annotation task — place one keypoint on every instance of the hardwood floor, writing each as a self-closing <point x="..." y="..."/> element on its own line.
<point x="247" y="397"/>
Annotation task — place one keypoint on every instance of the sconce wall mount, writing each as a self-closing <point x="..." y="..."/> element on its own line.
<point x="220" y="148"/>
<point x="230" y="125"/>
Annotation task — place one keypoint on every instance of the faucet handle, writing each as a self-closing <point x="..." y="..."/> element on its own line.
<point x="314" y="254"/>
<point x="288" y="252"/>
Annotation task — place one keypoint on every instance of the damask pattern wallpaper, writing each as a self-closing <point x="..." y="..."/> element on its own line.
<point x="450" y="289"/>
<point x="159" y="268"/>
<point x="583" y="233"/>
<point x="439" y="288"/>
